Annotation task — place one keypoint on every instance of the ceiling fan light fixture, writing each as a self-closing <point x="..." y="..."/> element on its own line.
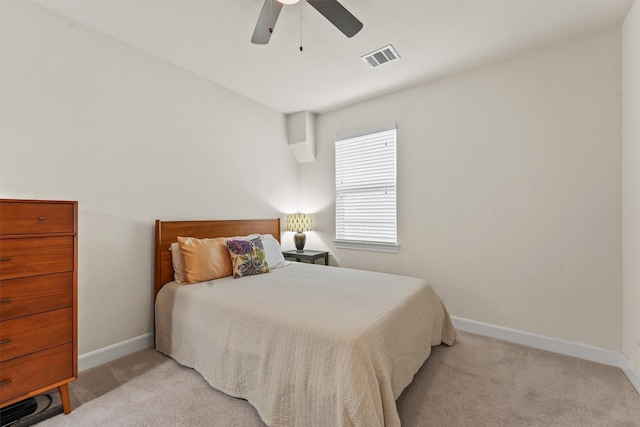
<point x="332" y="10"/>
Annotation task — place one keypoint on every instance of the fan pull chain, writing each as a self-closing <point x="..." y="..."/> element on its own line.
<point x="270" y="16"/>
<point x="301" y="26"/>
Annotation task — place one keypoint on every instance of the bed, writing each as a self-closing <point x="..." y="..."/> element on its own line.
<point x="306" y="345"/>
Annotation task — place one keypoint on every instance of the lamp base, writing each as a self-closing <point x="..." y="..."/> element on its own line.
<point x="299" y="239"/>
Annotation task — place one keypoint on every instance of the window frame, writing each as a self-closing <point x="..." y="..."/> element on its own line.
<point x="368" y="245"/>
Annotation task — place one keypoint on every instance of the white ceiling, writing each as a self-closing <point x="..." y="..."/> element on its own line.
<point x="434" y="38"/>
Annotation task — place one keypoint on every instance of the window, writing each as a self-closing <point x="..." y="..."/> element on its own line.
<point x="366" y="192"/>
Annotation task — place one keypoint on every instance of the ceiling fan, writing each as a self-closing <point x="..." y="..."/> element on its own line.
<point x="330" y="9"/>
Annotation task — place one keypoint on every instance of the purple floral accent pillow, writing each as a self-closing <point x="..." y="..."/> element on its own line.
<point x="247" y="257"/>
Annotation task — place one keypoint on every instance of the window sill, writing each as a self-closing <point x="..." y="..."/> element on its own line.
<point x="366" y="246"/>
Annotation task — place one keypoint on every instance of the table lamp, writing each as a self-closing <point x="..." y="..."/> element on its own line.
<point x="299" y="223"/>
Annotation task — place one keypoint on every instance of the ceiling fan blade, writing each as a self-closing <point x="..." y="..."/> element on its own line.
<point x="338" y="16"/>
<point x="268" y="17"/>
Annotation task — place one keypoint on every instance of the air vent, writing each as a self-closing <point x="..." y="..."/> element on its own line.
<point x="381" y="56"/>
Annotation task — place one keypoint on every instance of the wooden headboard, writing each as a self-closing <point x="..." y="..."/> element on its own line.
<point x="168" y="231"/>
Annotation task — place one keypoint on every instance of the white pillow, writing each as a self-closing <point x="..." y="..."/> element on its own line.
<point x="178" y="267"/>
<point x="272" y="251"/>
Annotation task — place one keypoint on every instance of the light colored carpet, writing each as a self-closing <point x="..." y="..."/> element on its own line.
<point x="477" y="382"/>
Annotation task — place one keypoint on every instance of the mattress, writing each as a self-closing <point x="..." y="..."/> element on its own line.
<point x="306" y="345"/>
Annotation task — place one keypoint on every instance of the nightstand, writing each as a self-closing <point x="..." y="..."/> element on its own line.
<point x="306" y="255"/>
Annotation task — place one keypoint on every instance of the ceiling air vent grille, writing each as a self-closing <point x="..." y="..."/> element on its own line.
<point x="381" y="56"/>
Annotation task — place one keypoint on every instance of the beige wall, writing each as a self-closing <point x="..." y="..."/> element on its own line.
<point x="132" y="138"/>
<point x="509" y="175"/>
<point x="509" y="196"/>
<point x="631" y="184"/>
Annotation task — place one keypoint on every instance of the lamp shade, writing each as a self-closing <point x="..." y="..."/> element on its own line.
<point x="299" y="222"/>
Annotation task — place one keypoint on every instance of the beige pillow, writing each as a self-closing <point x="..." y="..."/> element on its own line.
<point x="204" y="259"/>
<point x="176" y="259"/>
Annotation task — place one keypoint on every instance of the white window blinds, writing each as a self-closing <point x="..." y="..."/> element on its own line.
<point x="366" y="189"/>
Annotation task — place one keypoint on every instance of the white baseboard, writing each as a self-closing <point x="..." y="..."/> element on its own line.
<point x="630" y="371"/>
<point x="113" y="352"/>
<point x="582" y="351"/>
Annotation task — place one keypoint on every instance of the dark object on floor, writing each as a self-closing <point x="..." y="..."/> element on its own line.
<point x="31" y="411"/>
<point x="14" y="412"/>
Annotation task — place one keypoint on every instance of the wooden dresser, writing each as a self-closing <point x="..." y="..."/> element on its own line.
<point x="38" y="298"/>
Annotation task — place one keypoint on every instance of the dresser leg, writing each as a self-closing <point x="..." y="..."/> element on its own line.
<point x="64" y="396"/>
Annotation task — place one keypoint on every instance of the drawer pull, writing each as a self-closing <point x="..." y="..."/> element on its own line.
<point x="5" y="300"/>
<point x="6" y="258"/>
<point x="41" y="218"/>
<point x="5" y="341"/>
<point x="5" y="382"/>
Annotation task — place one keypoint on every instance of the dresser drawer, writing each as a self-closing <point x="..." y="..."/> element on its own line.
<point x="36" y="217"/>
<point x="30" y="334"/>
<point x="35" y="371"/>
<point x="31" y="257"/>
<point x="31" y="295"/>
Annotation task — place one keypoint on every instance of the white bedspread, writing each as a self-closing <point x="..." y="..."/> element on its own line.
<point x="306" y="345"/>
